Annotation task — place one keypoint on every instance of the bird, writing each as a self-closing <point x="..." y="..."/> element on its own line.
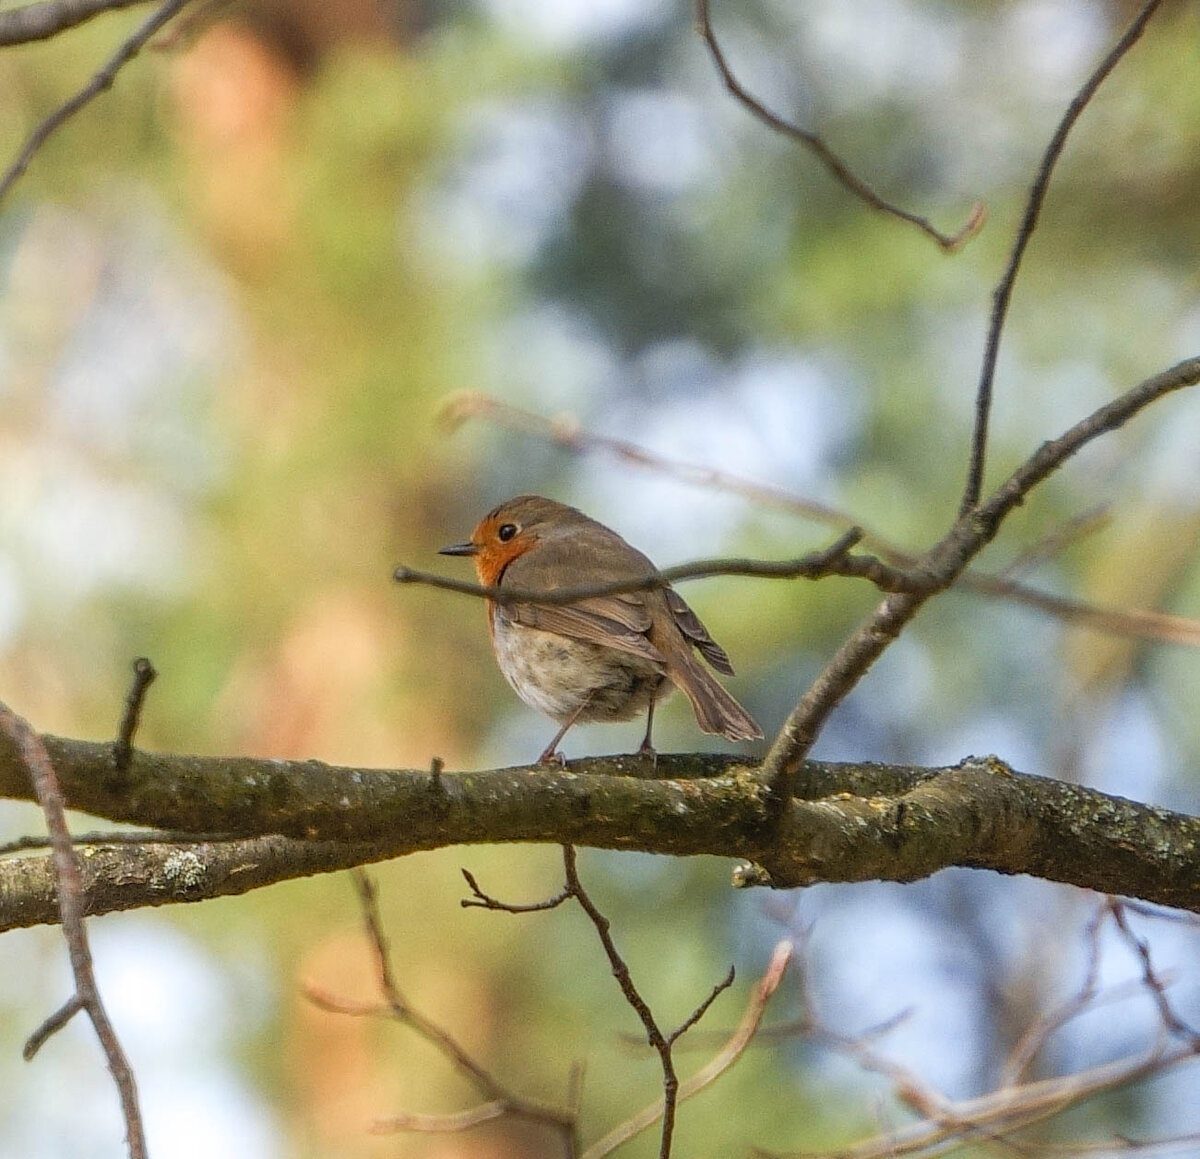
<point x="599" y="658"/>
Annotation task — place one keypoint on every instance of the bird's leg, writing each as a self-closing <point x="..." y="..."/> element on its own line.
<point x="549" y="755"/>
<point x="646" y="748"/>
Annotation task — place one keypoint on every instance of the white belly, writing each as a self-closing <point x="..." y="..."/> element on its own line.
<point x="557" y="674"/>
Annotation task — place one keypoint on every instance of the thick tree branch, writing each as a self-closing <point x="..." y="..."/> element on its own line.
<point x="848" y="822"/>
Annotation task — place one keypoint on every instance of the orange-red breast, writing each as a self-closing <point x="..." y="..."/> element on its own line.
<point x="604" y="657"/>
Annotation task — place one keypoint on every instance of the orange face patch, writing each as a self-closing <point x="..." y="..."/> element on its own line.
<point x="495" y="554"/>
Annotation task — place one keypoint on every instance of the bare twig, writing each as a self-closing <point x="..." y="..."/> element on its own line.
<point x="815" y="144"/>
<point x="1117" y="1146"/>
<point x="620" y="970"/>
<point x="717" y="1066"/>
<point x="661" y="1043"/>
<point x="1031" y="1043"/>
<point x="441" y="1124"/>
<point x="1002" y="295"/>
<point x="1172" y="1023"/>
<point x="499" y="1099"/>
<point x="51" y="1026"/>
<point x="1161" y="627"/>
<point x="995" y="1118"/>
<point x="143" y="677"/>
<point x="101" y="81"/>
<point x="486" y="901"/>
<point x="569" y="435"/>
<point x="564" y="431"/>
<point x="702" y="1009"/>
<point x="943" y="564"/>
<point x="1002" y="1112"/>
<point x="833" y="560"/>
<point x="70" y="905"/>
<point x="48" y="18"/>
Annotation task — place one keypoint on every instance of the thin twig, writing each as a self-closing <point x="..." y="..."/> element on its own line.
<point x="1002" y="295"/>
<point x="70" y="905"/>
<point x="143" y="677"/>
<point x="566" y="433"/>
<point x="1171" y="1021"/>
<point x="717" y="1066"/>
<point x="441" y="1124"/>
<point x="1033" y="1041"/>
<point x="702" y="1009"/>
<point x="51" y="1026"/>
<point x="101" y="81"/>
<point x="1137" y="623"/>
<point x="816" y="145"/>
<point x="1118" y="1145"/>
<point x="995" y="1117"/>
<point x="48" y="18"/>
<point x="1006" y="1110"/>
<point x="633" y="996"/>
<point x="486" y="901"/>
<point x="830" y="561"/>
<point x="499" y="1100"/>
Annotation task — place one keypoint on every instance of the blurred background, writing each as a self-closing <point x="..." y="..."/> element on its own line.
<point x="241" y="297"/>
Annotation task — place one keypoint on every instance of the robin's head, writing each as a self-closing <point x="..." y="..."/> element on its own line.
<point x="511" y="530"/>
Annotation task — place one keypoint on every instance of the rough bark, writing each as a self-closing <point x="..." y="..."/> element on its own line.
<point x="846" y="822"/>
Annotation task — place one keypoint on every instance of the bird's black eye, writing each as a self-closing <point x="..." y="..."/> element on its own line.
<point x="506" y="532"/>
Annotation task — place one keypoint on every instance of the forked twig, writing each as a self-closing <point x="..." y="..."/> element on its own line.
<point x="717" y="1066"/>
<point x="1172" y="1023"/>
<point x="483" y="900"/>
<point x="620" y="969"/>
<point x="662" y="1043"/>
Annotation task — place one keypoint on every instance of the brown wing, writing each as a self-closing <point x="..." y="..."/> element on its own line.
<point x="583" y="622"/>
<point x="619" y="621"/>
<point x="689" y="623"/>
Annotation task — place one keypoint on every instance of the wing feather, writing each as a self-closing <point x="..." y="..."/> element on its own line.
<point x="689" y="623"/>
<point x="582" y="622"/>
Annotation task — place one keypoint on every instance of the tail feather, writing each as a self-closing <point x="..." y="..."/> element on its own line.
<point x="716" y="710"/>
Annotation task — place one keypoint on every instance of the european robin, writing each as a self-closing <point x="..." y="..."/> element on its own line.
<point x="600" y="658"/>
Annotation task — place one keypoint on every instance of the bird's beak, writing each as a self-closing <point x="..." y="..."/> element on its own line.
<point x="460" y="549"/>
